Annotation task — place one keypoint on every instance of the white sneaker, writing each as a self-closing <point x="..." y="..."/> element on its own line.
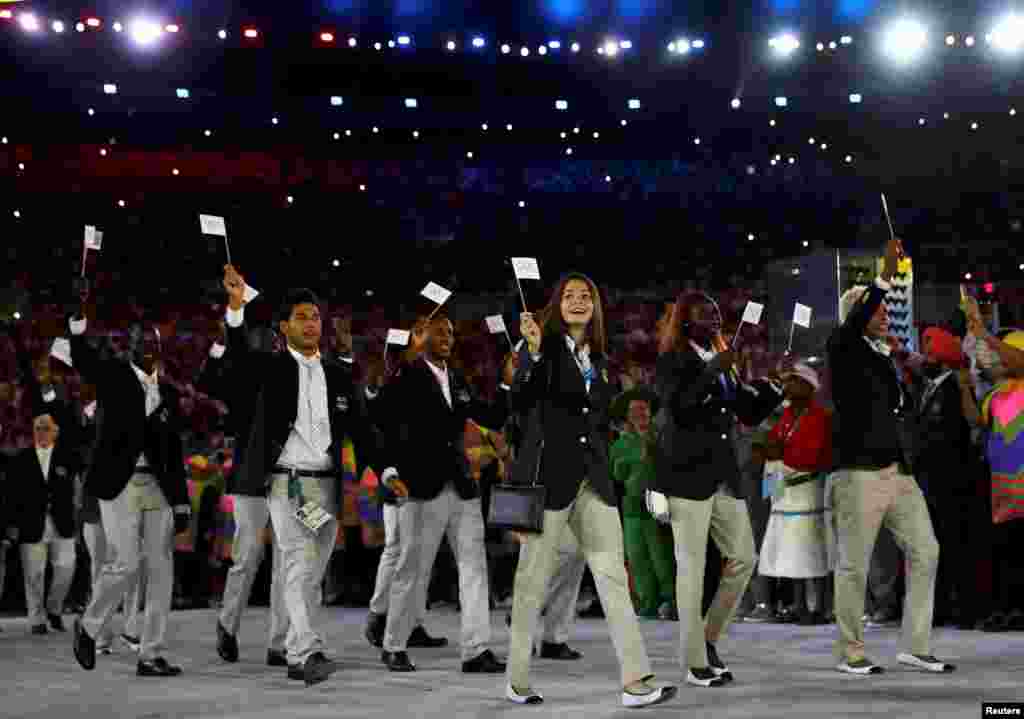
<point x="530" y="697"/>
<point x="861" y="666"/>
<point x="705" y="677"/>
<point x="925" y="662"/>
<point x="655" y="696"/>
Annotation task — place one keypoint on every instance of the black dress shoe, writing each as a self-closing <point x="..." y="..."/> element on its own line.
<point x="420" y="639"/>
<point x="375" y="625"/>
<point x="276" y="658"/>
<point x="484" y="663"/>
<point x="717" y="665"/>
<point x="56" y="623"/>
<point x="317" y="669"/>
<point x="560" y="650"/>
<point x="40" y="629"/>
<point x="296" y="671"/>
<point x="85" y="647"/>
<point x="157" y="668"/>
<point x="397" y="661"/>
<point x="227" y="644"/>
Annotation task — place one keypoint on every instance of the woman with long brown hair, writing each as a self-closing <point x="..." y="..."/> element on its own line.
<point x="563" y="373"/>
<point x="696" y="469"/>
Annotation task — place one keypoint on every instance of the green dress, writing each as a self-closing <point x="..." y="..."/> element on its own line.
<point x="648" y="551"/>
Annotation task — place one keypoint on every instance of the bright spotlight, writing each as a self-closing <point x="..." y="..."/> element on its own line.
<point x="561" y="105"/>
<point x="1008" y="34"/>
<point x="172" y="28"/>
<point x="109" y="89"/>
<point x="80" y="26"/>
<point x="93" y="22"/>
<point x="352" y="42"/>
<point x="855" y="98"/>
<point x="611" y="48"/>
<point x="58" y="26"/>
<point x="451" y="46"/>
<point x="326" y="37"/>
<point x="698" y="44"/>
<point x="391" y="44"/>
<point x="680" y="46"/>
<point x="785" y="44"/>
<point x="542" y="50"/>
<point x="781" y="101"/>
<point x="735" y="104"/>
<point x="222" y="34"/>
<point x="969" y="41"/>
<point x="626" y="44"/>
<point x="478" y="42"/>
<point x="182" y="93"/>
<point x="555" y="45"/>
<point x="575" y="47"/>
<point x="145" y="32"/>
<point x="251" y="33"/>
<point x="6" y="14"/>
<point x="905" y="40"/>
<point x="411" y="103"/>
<point x="28" y="22"/>
<point x="951" y="40"/>
<point x="404" y="40"/>
<point x="337" y="101"/>
<point x="118" y="27"/>
<point x="524" y="51"/>
<point x="846" y="40"/>
<point x="634" y="104"/>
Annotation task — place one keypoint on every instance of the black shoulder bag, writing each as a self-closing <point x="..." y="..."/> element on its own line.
<point x="518" y="505"/>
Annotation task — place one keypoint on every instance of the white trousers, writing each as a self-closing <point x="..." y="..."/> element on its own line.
<point x="60" y="552"/>
<point x="100" y="553"/>
<point x="424" y="522"/>
<point x="386" y="567"/>
<point x="134" y="533"/>
<point x="251" y="517"/>
<point x="305" y="557"/>
<point x="558" y="612"/>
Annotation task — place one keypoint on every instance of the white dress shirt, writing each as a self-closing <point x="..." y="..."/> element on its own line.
<point x="45" y="455"/>
<point x="309" y="441"/>
<point x="441" y="375"/>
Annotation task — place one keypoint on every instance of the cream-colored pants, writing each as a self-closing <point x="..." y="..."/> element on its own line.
<point x="727" y="521"/>
<point x="862" y="502"/>
<point x="599" y="533"/>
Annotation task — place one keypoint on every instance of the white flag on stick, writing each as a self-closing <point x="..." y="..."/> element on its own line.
<point x="93" y="238"/>
<point x="61" y="349"/>
<point x="398" y="337"/>
<point x="249" y="294"/>
<point x="802" y="315"/>
<point x="526" y="268"/>
<point x="496" y="324"/>
<point x="436" y="293"/>
<point x="752" y="313"/>
<point x="213" y="225"/>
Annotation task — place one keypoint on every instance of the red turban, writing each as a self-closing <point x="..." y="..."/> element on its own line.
<point x="943" y="347"/>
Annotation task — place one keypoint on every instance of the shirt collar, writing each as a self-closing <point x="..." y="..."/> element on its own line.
<point x="880" y="346"/>
<point x="706" y="355"/>
<point x="438" y="370"/>
<point x="571" y="344"/>
<point x="152" y="379"/>
<point x="303" y="359"/>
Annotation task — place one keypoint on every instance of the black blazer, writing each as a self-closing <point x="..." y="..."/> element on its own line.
<point x="124" y="431"/>
<point x="575" y="427"/>
<point x="423" y="435"/>
<point x="943" y="443"/>
<point x="694" y="452"/>
<point x="32" y="496"/>
<point x="268" y="390"/>
<point x="866" y="390"/>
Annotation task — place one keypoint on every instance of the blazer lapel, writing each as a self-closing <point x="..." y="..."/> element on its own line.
<point x="574" y="377"/>
<point x="429" y="376"/>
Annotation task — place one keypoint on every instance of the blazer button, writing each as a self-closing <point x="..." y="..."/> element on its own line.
<point x="725" y="436"/>
<point x="583" y="440"/>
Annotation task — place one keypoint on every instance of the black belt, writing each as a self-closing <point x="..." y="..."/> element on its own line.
<point x="310" y="473"/>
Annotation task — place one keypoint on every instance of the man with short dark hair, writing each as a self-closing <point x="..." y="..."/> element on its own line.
<point x="289" y="445"/>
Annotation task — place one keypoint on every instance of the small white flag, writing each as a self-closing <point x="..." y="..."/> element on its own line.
<point x="90" y="409"/>
<point x="61" y="349"/>
<point x="436" y="293"/>
<point x="526" y="268"/>
<point x="496" y="324"/>
<point x="802" y="315"/>
<point x="249" y="294"/>
<point x="213" y="225"/>
<point x="49" y="396"/>
<point x="93" y="239"/>
<point x="752" y="313"/>
<point x="398" y="337"/>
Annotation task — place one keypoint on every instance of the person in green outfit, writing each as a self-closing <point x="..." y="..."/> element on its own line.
<point x="650" y="556"/>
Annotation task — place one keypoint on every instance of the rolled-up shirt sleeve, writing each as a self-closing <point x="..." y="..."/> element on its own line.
<point x="235" y="318"/>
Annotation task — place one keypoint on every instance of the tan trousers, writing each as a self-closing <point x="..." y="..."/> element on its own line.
<point x="599" y="533"/>
<point x="863" y="501"/>
<point x="727" y="521"/>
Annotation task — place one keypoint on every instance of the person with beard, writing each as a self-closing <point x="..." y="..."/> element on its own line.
<point x="289" y="448"/>
<point x="697" y="484"/>
<point x="138" y="476"/>
<point x="563" y="373"/>
<point x="945" y="468"/>
<point x="427" y="404"/>
<point x="873" y="486"/>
